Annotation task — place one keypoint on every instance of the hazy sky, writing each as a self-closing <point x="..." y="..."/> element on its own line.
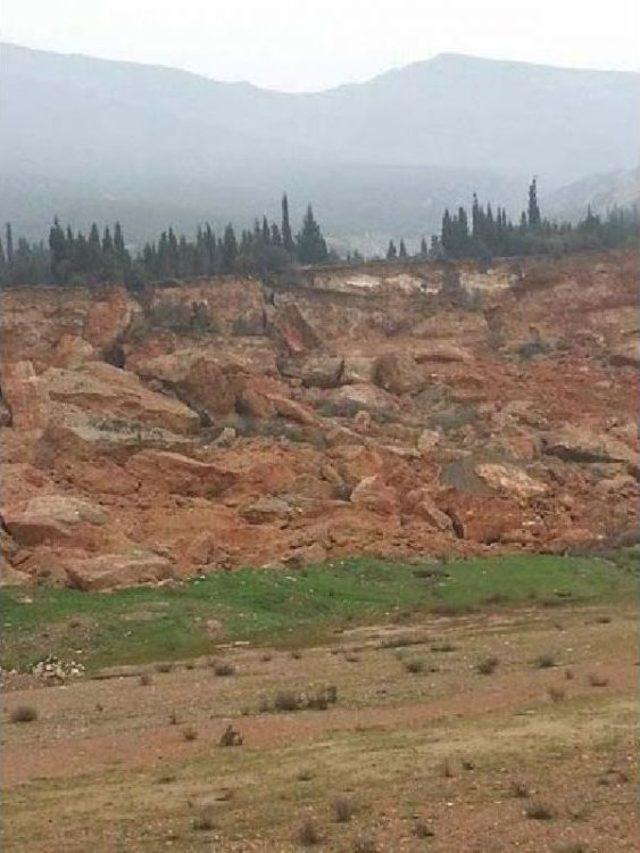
<point x="299" y="45"/>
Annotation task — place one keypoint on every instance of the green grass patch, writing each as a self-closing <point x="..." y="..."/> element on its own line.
<point x="272" y="606"/>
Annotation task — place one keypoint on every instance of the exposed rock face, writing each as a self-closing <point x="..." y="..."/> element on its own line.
<point x="219" y="423"/>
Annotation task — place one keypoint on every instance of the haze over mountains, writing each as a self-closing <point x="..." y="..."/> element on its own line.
<point x="96" y="139"/>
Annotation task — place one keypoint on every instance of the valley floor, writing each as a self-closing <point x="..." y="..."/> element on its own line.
<point x="507" y="725"/>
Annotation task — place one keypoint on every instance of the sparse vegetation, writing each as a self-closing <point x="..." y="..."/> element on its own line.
<point x="520" y="789"/>
<point x="487" y="665"/>
<point x="204" y="822"/>
<point x="189" y="733"/>
<point x="164" y="667"/>
<point x="414" y="665"/>
<point x="545" y="661"/>
<point x="223" y="668"/>
<point x="343" y="809"/>
<point x="23" y="714"/>
<point x="231" y="737"/>
<point x="539" y="811"/>
<point x="308" y="834"/>
<point x="145" y="679"/>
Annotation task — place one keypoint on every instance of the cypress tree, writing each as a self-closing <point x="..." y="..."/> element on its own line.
<point x="534" y="210"/>
<point x="287" y="236"/>
<point x="402" y="253"/>
<point x="311" y="246"/>
<point x="392" y="252"/>
<point x="9" y="234"/>
<point x="229" y="249"/>
<point x="423" y="248"/>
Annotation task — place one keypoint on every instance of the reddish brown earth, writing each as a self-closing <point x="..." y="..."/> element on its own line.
<point x="225" y="422"/>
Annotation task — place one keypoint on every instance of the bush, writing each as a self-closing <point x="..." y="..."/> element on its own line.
<point x="443" y="647"/>
<point x="145" y="679"/>
<point x="164" y="667"/>
<point x="286" y="700"/>
<point x="24" y="714"/>
<point x="545" y="661"/>
<point x="223" y="668"/>
<point x="539" y="811"/>
<point x="520" y="790"/>
<point x="204" y="822"/>
<point x="190" y="733"/>
<point x="487" y="665"/>
<point x="415" y="665"/>
<point x="422" y="830"/>
<point x="230" y="737"/>
<point x="309" y="834"/>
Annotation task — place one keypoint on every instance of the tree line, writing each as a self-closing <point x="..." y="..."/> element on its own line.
<point x="485" y="234"/>
<point x="72" y="257"/>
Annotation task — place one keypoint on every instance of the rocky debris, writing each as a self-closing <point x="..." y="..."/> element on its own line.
<point x="350" y="398"/>
<point x="419" y="504"/>
<point x="483" y="519"/>
<point x="627" y="354"/>
<point x="53" y="670"/>
<point x="12" y="577"/>
<point x="442" y="351"/>
<point x="321" y="371"/>
<point x="108" y="318"/>
<point x="579" y="444"/>
<point x="177" y="474"/>
<point x="428" y="440"/>
<point x="71" y="351"/>
<point x="292" y="330"/>
<point x="109" y="571"/>
<point x="510" y="480"/>
<point x="398" y="373"/>
<point x="226" y="438"/>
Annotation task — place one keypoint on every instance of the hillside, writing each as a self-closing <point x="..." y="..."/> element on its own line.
<point x="91" y="138"/>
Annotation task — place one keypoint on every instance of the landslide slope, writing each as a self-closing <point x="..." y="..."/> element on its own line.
<point x="384" y="409"/>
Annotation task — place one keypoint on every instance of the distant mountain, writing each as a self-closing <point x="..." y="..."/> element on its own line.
<point x="92" y="138"/>
<point x="620" y="188"/>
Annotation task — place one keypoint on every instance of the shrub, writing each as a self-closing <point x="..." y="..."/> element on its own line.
<point x="286" y="700"/>
<point x="446" y="769"/>
<point x="189" y="733"/>
<point x="223" y="668"/>
<point x="545" y="661"/>
<point x="443" y="647"/>
<point x="309" y="834"/>
<point x="145" y="679"/>
<point x="342" y="810"/>
<point x="415" y="665"/>
<point x="164" y="667"/>
<point x="556" y="694"/>
<point x="173" y="719"/>
<point x="266" y="657"/>
<point x="230" y="737"/>
<point x="304" y="775"/>
<point x="204" y="822"/>
<point x="539" y="811"/>
<point x="296" y="654"/>
<point x="520" y="790"/>
<point x="24" y="714"/>
<point x="421" y="829"/>
<point x="487" y="665"/>
<point x="364" y="844"/>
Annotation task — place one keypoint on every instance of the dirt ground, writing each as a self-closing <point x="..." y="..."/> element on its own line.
<point x="536" y="755"/>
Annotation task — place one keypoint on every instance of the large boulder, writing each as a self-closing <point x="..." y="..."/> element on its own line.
<point x="398" y="373"/>
<point x="118" y="394"/>
<point x="321" y="371"/>
<point x="292" y="330"/>
<point x="510" y="480"/>
<point x="109" y="571"/>
<point x="178" y="474"/>
<point x="49" y="518"/>
<point x="24" y="395"/>
<point x="373" y="494"/>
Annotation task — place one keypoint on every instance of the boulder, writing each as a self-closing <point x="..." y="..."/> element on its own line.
<point x="24" y="396"/>
<point x="266" y="510"/>
<point x="108" y="391"/>
<point x="178" y="474"/>
<point x="442" y="351"/>
<point x="510" y="480"/>
<point x="357" y="369"/>
<point x="321" y="371"/>
<point x="398" y="373"/>
<point x="349" y="399"/>
<point x="579" y="444"/>
<point x="71" y="351"/>
<point x="419" y="504"/>
<point x="108" y="319"/>
<point x="373" y="494"/>
<point x="427" y="440"/>
<point x="109" y="571"/>
<point x="292" y="330"/>
<point x="49" y="518"/>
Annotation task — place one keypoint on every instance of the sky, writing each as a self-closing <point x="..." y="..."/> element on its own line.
<point x="309" y="45"/>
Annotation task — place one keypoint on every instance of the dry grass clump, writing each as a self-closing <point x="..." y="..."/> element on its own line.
<point x="556" y="694"/>
<point x="545" y="661"/>
<point x="164" y="667"/>
<point x="308" y="833"/>
<point x="189" y="733"/>
<point x="314" y="698"/>
<point x="539" y="811"/>
<point x="342" y="809"/>
<point x="364" y="843"/>
<point x="230" y="737"/>
<point x="173" y="719"/>
<point x="23" y="714"/>
<point x="223" y="668"/>
<point x="421" y="829"/>
<point x="597" y="680"/>
<point x="204" y="822"/>
<point x="487" y="665"/>
<point x="520" y="790"/>
<point x="444" y="646"/>
<point x="145" y="679"/>
<point x="415" y="665"/>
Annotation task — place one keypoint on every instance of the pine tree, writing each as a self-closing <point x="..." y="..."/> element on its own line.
<point x="402" y="252"/>
<point x="423" y="248"/>
<point x="287" y="236"/>
<point x="392" y="252"/>
<point x="9" y="234"/>
<point x="57" y="249"/>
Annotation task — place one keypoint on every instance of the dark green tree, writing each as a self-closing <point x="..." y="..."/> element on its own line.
<point x="311" y="247"/>
<point x="287" y="236"/>
<point x="534" y="210"/>
<point x="229" y="249"/>
<point x="392" y="252"/>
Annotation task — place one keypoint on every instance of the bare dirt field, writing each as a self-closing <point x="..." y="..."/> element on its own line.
<point x="506" y="730"/>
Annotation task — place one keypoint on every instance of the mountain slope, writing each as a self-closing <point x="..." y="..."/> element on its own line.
<point x="153" y="138"/>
